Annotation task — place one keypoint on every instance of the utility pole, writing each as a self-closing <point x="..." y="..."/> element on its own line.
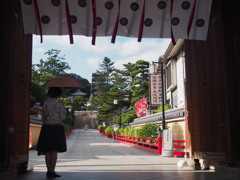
<point x="160" y="63"/>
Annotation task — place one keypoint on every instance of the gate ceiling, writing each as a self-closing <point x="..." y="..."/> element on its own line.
<point x="185" y="19"/>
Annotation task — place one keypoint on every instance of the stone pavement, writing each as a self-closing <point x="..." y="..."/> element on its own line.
<point x="91" y="156"/>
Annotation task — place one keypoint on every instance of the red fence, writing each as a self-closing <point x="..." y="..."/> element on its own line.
<point x="148" y="144"/>
<point x="108" y="135"/>
<point x="68" y="132"/>
<point x="179" y="148"/>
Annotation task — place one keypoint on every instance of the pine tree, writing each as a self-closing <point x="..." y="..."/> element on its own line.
<point x="104" y="80"/>
<point x="140" y="83"/>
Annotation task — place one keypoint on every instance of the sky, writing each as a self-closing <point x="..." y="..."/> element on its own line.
<point x="84" y="58"/>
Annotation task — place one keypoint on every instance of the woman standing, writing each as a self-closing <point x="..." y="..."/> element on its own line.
<point x="52" y="138"/>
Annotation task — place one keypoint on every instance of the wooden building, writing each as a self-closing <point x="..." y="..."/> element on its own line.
<point x="15" y="75"/>
<point x="174" y="88"/>
<point x="213" y="88"/>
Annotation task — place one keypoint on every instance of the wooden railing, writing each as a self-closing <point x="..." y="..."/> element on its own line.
<point x="148" y="144"/>
<point x="108" y="135"/>
<point x="153" y="145"/>
<point x="179" y="148"/>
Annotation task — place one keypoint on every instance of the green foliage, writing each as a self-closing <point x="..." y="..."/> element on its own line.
<point x="104" y="80"/>
<point x="127" y="86"/>
<point x="150" y="130"/>
<point x="108" y="118"/>
<point x="92" y="103"/>
<point x="99" y="126"/>
<point x="166" y="107"/>
<point x="140" y="67"/>
<point x="128" y="131"/>
<point x="139" y="85"/>
<point x="78" y="102"/>
<point x="48" y="69"/>
<point x="67" y="103"/>
<point x="66" y="128"/>
<point x="147" y="131"/>
<point x="54" y="66"/>
<point x="106" y="109"/>
<point x="103" y="103"/>
<point x="127" y="117"/>
<point x="84" y="82"/>
<point x="109" y="129"/>
<point x="38" y="93"/>
<point x="122" y="79"/>
<point x="70" y="119"/>
<point x="33" y="101"/>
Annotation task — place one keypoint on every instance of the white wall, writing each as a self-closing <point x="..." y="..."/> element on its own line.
<point x="180" y="81"/>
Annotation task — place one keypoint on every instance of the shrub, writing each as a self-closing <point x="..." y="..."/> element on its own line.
<point x="102" y="128"/>
<point x="66" y="128"/>
<point x="119" y="131"/>
<point x="127" y="117"/>
<point x="99" y="126"/>
<point x="109" y="129"/>
<point x="70" y="119"/>
<point x="147" y="131"/>
<point x="166" y="107"/>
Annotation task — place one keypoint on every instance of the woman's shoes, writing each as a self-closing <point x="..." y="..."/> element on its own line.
<point x="52" y="175"/>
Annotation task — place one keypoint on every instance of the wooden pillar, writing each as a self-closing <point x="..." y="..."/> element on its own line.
<point x="213" y="87"/>
<point x="15" y="76"/>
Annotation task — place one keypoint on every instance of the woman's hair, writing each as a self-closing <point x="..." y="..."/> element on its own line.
<point x="54" y="92"/>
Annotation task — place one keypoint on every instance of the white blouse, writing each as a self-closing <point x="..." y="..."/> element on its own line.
<point x="53" y="112"/>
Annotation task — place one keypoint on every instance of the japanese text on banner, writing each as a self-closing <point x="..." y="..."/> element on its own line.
<point x="156" y="89"/>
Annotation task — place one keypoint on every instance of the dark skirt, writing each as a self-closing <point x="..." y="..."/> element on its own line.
<point x="51" y="138"/>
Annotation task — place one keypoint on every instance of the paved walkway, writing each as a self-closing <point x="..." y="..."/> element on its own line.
<point x="91" y="156"/>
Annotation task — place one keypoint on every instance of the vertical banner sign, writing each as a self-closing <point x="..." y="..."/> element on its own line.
<point x="144" y="106"/>
<point x="138" y="109"/>
<point x="141" y="107"/>
<point x="167" y="144"/>
<point x="156" y="89"/>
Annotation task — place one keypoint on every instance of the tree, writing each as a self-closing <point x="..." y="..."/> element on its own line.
<point x="106" y="109"/>
<point x="127" y="117"/>
<point x="104" y="80"/>
<point x="122" y="85"/>
<point x="92" y="103"/>
<point x="103" y="84"/>
<point x="53" y="66"/>
<point x="38" y="93"/>
<point x="84" y="82"/>
<point x="140" y="83"/>
<point x="78" y="102"/>
<point x="122" y="79"/>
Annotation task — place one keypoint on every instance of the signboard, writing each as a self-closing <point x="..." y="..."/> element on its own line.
<point x="144" y="106"/>
<point x="141" y="107"/>
<point x="138" y="109"/>
<point x="167" y="145"/>
<point x="156" y="89"/>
